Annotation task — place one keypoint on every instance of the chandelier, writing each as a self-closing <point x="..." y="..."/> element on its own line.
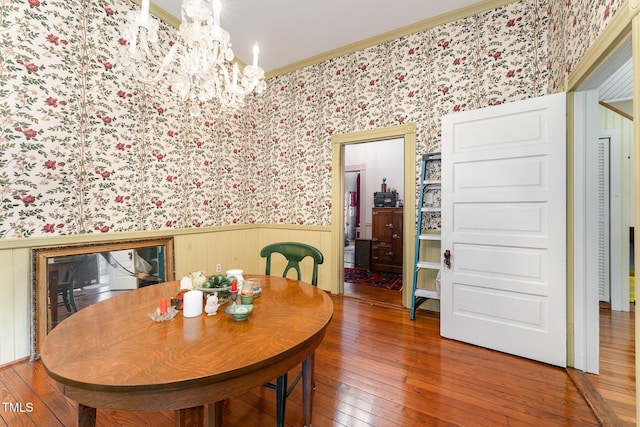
<point x="204" y="62"/>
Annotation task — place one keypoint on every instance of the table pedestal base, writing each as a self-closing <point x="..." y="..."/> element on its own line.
<point x="215" y="414"/>
<point x="86" y="416"/>
<point x="187" y="417"/>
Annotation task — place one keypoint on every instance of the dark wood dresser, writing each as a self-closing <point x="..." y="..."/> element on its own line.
<point x="387" y="242"/>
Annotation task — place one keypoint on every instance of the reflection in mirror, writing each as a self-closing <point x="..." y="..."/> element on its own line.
<point x="71" y="278"/>
<point x="77" y="281"/>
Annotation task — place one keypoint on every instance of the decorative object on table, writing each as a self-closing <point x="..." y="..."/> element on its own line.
<point x="157" y="317"/>
<point x="255" y="285"/>
<point x="186" y="283"/>
<point x="163" y="305"/>
<point x="234" y="296"/>
<point x="178" y="300"/>
<point x="211" y="307"/>
<point x="197" y="278"/>
<point x="202" y="54"/>
<point x="246" y="294"/>
<point x="217" y="284"/>
<point x="384" y="185"/>
<point x="237" y="274"/>
<point x="240" y="311"/>
<point x="192" y="304"/>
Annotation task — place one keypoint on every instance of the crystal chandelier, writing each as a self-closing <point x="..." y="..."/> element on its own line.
<point x="205" y="67"/>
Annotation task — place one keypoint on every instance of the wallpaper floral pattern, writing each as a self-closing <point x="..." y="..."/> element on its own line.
<point x="84" y="149"/>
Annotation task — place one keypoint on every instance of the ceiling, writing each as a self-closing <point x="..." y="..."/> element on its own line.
<point x="289" y="31"/>
<point x="614" y="77"/>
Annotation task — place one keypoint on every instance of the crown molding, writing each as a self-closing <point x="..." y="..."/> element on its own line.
<point x="445" y="18"/>
<point x="426" y="24"/>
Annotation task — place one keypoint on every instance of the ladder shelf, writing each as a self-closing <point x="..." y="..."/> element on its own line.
<point x="426" y="235"/>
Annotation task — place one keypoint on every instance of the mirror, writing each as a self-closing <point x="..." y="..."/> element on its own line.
<point x="70" y="278"/>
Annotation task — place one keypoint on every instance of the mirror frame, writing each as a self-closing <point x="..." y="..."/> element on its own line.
<point x="40" y="259"/>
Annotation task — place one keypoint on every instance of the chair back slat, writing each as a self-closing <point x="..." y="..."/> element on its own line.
<point x="294" y="252"/>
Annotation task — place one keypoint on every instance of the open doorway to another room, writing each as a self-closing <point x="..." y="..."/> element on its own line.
<point x="352" y="210"/>
<point x="604" y="247"/>
<point x="373" y="186"/>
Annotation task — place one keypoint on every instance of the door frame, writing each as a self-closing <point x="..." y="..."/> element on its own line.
<point x="583" y="337"/>
<point x="406" y="131"/>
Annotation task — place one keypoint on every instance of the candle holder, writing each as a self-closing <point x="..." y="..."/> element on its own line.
<point x="234" y="297"/>
<point x="157" y="317"/>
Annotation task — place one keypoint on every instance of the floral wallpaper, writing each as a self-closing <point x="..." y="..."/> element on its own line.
<point x="574" y="26"/>
<point x="85" y="149"/>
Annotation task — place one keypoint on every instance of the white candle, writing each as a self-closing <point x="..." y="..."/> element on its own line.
<point x="216" y="13"/>
<point x="186" y="283"/>
<point x="235" y="74"/>
<point x="144" y="13"/>
<point x="192" y="305"/>
<point x="256" y="51"/>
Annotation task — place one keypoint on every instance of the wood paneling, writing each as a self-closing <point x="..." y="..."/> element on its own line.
<point x="15" y="291"/>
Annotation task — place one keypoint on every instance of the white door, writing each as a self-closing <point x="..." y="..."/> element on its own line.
<point x="504" y="223"/>
<point x="121" y="270"/>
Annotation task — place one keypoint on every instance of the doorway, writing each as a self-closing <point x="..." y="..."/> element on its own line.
<point x="407" y="178"/>
<point x="593" y="116"/>
<point x="368" y="168"/>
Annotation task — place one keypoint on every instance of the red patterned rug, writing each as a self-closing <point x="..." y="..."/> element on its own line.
<point x="379" y="279"/>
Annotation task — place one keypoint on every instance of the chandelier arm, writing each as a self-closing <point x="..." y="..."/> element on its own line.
<point x="145" y="46"/>
<point x="225" y="74"/>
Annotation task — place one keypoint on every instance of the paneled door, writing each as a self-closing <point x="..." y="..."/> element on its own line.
<point x="504" y="223"/>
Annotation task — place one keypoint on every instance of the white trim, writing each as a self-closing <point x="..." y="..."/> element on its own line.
<point x="586" y="317"/>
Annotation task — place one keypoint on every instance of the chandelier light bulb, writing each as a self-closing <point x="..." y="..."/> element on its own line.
<point x="217" y="7"/>
<point x="144" y="13"/>
<point x="256" y="51"/>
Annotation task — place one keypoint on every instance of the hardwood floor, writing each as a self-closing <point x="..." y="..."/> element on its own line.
<point x="616" y="382"/>
<point x="375" y="367"/>
<point x="373" y="294"/>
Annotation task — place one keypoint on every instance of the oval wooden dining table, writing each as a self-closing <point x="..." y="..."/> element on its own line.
<point x="111" y="355"/>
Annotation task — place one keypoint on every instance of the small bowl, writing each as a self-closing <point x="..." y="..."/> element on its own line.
<point x="240" y="311"/>
<point x="246" y="299"/>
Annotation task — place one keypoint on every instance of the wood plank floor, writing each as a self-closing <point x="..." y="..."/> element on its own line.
<point x="373" y="294"/>
<point x="616" y="382"/>
<point x="612" y="392"/>
<point x="375" y="367"/>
